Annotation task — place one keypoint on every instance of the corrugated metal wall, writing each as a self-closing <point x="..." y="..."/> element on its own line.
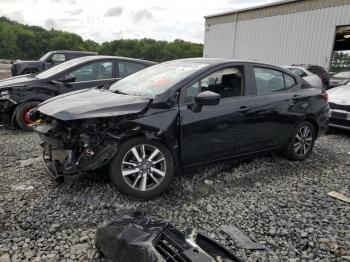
<point x="291" y="38"/>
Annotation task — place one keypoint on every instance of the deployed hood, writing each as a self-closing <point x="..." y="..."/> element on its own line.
<point x="92" y="103"/>
<point x="22" y="80"/>
<point x="339" y="95"/>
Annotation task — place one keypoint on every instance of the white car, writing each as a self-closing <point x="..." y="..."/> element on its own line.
<point x="305" y="74"/>
<point x="339" y="102"/>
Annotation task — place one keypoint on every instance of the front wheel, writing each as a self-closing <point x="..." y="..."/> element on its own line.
<point x="302" y="141"/>
<point x="142" y="168"/>
<point x="22" y="115"/>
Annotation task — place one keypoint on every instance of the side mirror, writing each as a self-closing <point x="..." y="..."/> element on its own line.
<point x="207" y="98"/>
<point x="67" y="79"/>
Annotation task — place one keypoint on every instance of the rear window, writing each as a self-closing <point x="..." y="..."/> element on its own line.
<point x="317" y="70"/>
<point x="271" y="81"/>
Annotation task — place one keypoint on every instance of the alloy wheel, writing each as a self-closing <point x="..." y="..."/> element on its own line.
<point x="144" y="167"/>
<point x="303" y="141"/>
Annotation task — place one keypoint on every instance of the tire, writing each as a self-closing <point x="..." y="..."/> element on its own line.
<point x="301" y="142"/>
<point x="132" y="182"/>
<point x="21" y="116"/>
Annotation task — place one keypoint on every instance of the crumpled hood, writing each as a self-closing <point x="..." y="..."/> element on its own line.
<point x="21" y="80"/>
<point x="92" y="103"/>
<point x="339" y="95"/>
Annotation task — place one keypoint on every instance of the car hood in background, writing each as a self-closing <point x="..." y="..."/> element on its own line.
<point x="16" y="81"/>
<point x="92" y="103"/>
<point x="339" y="95"/>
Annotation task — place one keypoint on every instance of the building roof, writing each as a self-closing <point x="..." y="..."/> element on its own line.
<point x="273" y="9"/>
<point x="252" y="8"/>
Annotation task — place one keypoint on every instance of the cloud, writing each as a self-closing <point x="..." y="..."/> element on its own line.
<point x="142" y="14"/>
<point x="114" y="11"/>
<point x="16" y="16"/>
<point x="50" y="23"/>
<point x="75" y="12"/>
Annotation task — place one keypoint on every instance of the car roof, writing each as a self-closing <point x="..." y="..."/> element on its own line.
<point x="214" y="61"/>
<point x="298" y="67"/>
<point x="102" y="57"/>
<point x="72" y="52"/>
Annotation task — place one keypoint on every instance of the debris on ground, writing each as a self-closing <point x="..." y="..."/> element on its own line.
<point x="339" y="196"/>
<point x="147" y="238"/>
<point x="240" y="238"/>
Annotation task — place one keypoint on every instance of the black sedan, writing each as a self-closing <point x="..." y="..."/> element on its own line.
<point x="19" y="95"/>
<point x="181" y="113"/>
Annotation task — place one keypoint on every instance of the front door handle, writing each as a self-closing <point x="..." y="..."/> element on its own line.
<point x="243" y="109"/>
<point x="296" y="97"/>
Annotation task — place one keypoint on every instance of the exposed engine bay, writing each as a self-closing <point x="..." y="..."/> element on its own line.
<point x="82" y="145"/>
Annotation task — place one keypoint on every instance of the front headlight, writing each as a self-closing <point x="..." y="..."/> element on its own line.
<point x="5" y="93"/>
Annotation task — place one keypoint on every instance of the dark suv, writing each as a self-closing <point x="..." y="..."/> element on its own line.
<point x="320" y="71"/>
<point x="50" y="59"/>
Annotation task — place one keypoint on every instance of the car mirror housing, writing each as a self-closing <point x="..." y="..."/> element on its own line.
<point x="67" y="79"/>
<point x="207" y="98"/>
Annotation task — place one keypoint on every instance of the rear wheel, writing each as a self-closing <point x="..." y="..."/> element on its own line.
<point x="22" y="115"/>
<point x="142" y="168"/>
<point x="302" y="141"/>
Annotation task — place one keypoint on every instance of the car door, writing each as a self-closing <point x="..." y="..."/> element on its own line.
<point x="275" y="96"/>
<point x="215" y="132"/>
<point x="93" y="74"/>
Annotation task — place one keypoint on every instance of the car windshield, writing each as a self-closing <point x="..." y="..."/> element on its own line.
<point x="155" y="80"/>
<point x="58" y="68"/>
<point x="45" y="57"/>
<point x="343" y="74"/>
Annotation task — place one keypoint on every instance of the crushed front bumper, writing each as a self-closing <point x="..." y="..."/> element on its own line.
<point x="60" y="162"/>
<point x="7" y="107"/>
<point x="339" y="119"/>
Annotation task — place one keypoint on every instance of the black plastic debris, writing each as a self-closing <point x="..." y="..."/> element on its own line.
<point x="240" y="238"/>
<point x="147" y="238"/>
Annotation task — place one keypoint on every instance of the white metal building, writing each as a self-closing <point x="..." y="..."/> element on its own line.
<point x="281" y="33"/>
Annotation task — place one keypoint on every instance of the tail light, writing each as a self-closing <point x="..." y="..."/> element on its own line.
<point x="324" y="95"/>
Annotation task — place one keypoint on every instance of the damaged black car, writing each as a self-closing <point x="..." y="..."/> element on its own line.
<point x="19" y="95"/>
<point x="180" y="114"/>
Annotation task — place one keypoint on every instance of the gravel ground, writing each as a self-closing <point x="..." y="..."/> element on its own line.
<point x="282" y="204"/>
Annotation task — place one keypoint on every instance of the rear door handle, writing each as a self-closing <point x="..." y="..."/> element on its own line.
<point x="243" y="109"/>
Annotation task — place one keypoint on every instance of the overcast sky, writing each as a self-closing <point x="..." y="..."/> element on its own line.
<point x="105" y="20"/>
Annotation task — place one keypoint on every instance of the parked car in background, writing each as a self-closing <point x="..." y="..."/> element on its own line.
<point x="341" y="78"/>
<point x="19" y="95"/>
<point x="305" y="74"/>
<point x="339" y="102"/>
<point x="320" y="71"/>
<point x="180" y="113"/>
<point x="50" y="59"/>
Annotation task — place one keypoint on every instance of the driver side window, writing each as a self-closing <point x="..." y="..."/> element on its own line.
<point x="58" y="58"/>
<point x="93" y="71"/>
<point x="227" y="83"/>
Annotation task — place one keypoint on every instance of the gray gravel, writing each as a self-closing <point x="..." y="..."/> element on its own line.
<point x="281" y="204"/>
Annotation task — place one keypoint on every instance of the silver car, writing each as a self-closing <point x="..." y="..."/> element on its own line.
<point x="339" y="102"/>
<point x="305" y="74"/>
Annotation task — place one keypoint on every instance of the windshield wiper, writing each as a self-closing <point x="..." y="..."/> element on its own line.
<point x="119" y="92"/>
